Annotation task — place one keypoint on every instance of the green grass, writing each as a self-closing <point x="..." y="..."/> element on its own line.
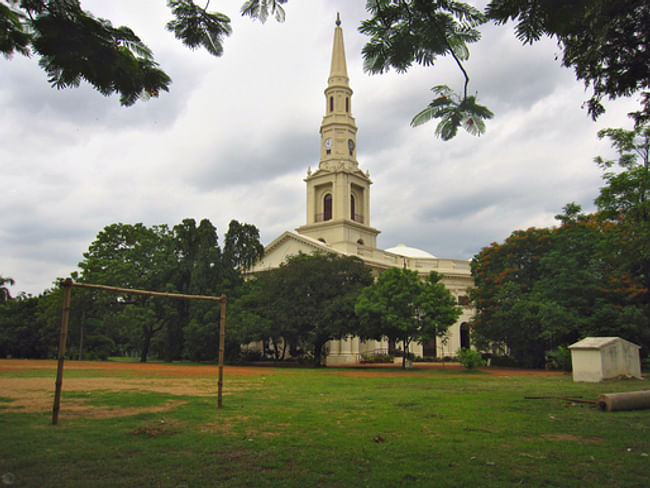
<point x="307" y="428"/>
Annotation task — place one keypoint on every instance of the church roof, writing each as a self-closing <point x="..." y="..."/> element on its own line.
<point x="410" y="252"/>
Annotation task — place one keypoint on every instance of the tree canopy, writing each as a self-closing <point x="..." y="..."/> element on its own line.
<point x="185" y="259"/>
<point x="306" y="302"/>
<point x="403" y="308"/>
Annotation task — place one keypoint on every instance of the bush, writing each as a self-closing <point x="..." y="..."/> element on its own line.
<point x="470" y="358"/>
<point x="559" y="359"/>
<point x="370" y="357"/>
<point x="504" y="362"/>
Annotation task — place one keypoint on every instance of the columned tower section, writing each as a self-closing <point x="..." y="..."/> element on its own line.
<point x="338" y="193"/>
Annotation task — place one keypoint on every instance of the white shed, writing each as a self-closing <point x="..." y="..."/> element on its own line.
<point x="600" y="358"/>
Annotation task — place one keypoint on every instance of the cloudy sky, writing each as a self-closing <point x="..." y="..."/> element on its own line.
<point x="235" y="136"/>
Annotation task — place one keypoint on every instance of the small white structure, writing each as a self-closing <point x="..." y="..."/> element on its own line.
<point x="596" y="359"/>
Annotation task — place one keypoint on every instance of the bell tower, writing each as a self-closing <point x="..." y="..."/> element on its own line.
<point x="338" y="192"/>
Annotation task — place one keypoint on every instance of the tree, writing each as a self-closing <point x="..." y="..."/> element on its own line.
<point x="604" y="41"/>
<point x="404" y="32"/>
<point x="404" y="308"/>
<point x="74" y="45"/>
<point x="5" y="296"/>
<point x="306" y="302"/>
<point x="624" y="203"/>
<point x="186" y="259"/>
<point x="133" y="256"/>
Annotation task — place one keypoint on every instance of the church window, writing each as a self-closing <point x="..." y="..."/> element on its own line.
<point x="352" y="209"/>
<point x="327" y="207"/>
<point x="331" y="104"/>
<point x="347" y="104"/>
<point x="464" y="335"/>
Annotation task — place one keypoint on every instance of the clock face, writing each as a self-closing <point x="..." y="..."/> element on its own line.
<point x="328" y="143"/>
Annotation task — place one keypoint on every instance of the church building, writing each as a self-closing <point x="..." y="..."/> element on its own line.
<point x="338" y="221"/>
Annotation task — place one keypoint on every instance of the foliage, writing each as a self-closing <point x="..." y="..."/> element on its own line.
<point x="604" y="41"/>
<point x="197" y="27"/>
<point x="73" y="45"/>
<point x="404" y="308"/>
<point x="406" y="32"/>
<point x="544" y="288"/>
<point x="186" y="259"/>
<point x="303" y="304"/>
<point x="22" y="334"/>
<point x="454" y="112"/>
<point x="470" y="358"/>
<point x="5" y="296"/>
<point x="559" y="358"/>
<point x="376" y="357"/>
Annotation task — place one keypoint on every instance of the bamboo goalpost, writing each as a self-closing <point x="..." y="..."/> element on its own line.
<point x="68" y="284"/>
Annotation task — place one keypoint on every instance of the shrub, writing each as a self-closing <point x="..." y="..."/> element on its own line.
<point x="470" y="358"/>
<point x="371" y="357"/>
<point x="504" y="361"/>
<point x="559" y="358"/>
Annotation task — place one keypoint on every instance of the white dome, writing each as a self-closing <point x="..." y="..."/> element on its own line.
<point x="410" y="252"/>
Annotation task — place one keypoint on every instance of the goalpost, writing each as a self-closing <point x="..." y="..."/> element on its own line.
<point x="68" y="284"/>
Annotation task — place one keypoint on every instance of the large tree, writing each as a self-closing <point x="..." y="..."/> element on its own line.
<point x="403" y="308"/>
<point x="185" y="259"/>
<point x="306" y="302"/>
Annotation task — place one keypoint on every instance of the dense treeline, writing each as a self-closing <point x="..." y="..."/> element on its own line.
<point x="184" y="259"/>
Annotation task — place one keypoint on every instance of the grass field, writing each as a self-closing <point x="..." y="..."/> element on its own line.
<point x="132" y="425"/>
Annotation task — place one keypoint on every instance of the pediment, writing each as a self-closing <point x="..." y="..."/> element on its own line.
<point x="288" y="244"/>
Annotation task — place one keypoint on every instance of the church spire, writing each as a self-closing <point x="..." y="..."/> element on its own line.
<point x="338" y="129"/>
<point x="338" y="192"/>
<point x="338" y="68"/>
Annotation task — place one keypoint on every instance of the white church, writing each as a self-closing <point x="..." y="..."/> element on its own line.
<point x="338" y="221"/>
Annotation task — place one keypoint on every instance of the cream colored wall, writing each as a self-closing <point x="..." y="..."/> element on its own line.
<point x="587" y="365"/>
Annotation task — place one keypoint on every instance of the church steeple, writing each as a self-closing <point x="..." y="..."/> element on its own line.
<point x="338" y="129"/>
<point x="338" y="192"/>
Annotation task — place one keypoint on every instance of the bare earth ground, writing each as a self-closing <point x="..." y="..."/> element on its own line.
<point x="31" y="392"/>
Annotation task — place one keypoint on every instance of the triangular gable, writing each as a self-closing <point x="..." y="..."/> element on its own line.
<point x="289" y="244"/>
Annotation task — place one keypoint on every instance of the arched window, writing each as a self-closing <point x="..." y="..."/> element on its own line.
<point x="352" y="207"/>
<point x="331" y="104"/>
<point x="464" y="335"/>
<point x="327" y="207"/>
<point x="347" y="104"/>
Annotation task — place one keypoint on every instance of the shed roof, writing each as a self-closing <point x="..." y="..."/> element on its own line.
<point x="598" y="342"/>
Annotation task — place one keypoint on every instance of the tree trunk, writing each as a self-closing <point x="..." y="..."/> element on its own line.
<point x="318" y="349"/>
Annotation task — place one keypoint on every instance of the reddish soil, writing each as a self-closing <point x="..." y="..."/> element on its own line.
<point x="194" y="371"/>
